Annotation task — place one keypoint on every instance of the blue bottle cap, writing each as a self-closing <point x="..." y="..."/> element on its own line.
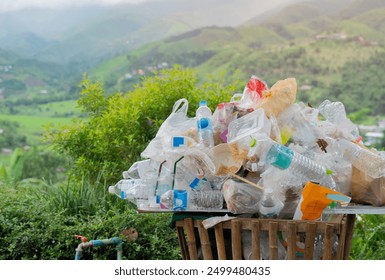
<point x="280" y="156"/>
<point x="203" y="103"/>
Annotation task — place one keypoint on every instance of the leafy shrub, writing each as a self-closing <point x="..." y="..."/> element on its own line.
<point x="31" y="230"/>
<point x="120" y="126"/>
<point x="9" y="137"/>
<point x="38" y="163"/>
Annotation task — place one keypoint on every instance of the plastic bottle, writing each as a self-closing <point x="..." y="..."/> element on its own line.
<point x="204" y="123"/>
<point x="335" y="113"/>
<point x="206" y="200"/>
<point x="283" y="158"/>
<point x="363" y="159"/>
<point x="125" y="189"/>
<point x="191" y="200"/>
<point x="270" y="206"/>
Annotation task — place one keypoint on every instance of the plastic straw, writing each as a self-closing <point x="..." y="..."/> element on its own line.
<point x="157" y="179"/>
<point x="173" y="178"/>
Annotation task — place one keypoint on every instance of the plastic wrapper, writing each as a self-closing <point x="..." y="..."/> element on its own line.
<point x="281" y="95"/>
<point x="294" y="125"/>
<point x="252" y="94"/>
<point x="367" y="190"/>
<point x="210" y="222"/>
<point x="241" y="197"/>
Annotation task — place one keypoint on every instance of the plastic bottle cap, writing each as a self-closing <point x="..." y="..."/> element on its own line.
<point x="329" y="172"/>
<point x="333" y="204"/>
<point x="253" y="142"/>
<point x="111" y="189"/>
<point x="203" y="103"/>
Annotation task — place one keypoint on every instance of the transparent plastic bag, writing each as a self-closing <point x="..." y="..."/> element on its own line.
<point x="281" y="95"/>
<point x="252" y="94"/>
<point x="177" y="124"/>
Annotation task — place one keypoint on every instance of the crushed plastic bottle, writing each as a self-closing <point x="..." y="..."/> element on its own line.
<point x="283" y="158"/>
<point x="368" y="162"/>
<point x="211" y="200"/>
<point x="204" y="123"/>
<point x="335" y="113"/>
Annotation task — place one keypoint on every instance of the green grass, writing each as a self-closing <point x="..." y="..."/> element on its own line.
<point x="67" y="108"/>
<point x="33" y="126"/>
<point x="108" y="67"/>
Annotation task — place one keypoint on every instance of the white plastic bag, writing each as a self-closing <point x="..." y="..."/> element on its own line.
<point x="176" y="124"/>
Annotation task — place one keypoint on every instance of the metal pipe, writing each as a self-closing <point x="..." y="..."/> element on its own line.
<point x="79" y="249"/>
<point x="100" y="242"/>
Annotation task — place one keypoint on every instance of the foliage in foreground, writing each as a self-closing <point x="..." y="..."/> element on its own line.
<point x="34" y="227"/>
<point x="368" y="238"/>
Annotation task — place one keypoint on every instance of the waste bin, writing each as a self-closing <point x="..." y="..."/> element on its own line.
<point x="326" y="240"/>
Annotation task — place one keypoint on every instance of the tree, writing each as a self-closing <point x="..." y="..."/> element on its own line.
<point x="120" y="126"/>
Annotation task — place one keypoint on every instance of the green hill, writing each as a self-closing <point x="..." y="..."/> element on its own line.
<point x="313" y="41"/>
<point x="28" y="81"/>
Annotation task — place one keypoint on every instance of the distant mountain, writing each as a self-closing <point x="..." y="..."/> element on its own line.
<point x="88" y="34"/>
<point x="313" y="41"/>
<point x="7" y="56"/>
<point x="24" y="43"/>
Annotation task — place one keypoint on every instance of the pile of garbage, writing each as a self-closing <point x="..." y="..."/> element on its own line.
<point x="261" y="153"/>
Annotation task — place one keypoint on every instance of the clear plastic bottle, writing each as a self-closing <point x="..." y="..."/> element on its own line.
<point x="204" y="123"/>
<point x="335" y="113"/>
<point x="206" y="200"/>
<point x="366" y="161"/>
<point x="270" y="206"/>
<point x="283" y="158"/>
<point x="125" y="189"/>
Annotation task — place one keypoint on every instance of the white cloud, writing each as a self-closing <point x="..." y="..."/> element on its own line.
<point x="9" y="5"/>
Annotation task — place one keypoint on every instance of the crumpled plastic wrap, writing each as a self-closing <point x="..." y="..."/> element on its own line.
<point x="280" y="96"/>
<point x="366" y="190"/>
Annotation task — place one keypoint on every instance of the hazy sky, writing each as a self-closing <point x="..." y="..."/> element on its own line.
<point x="8" y="5"/>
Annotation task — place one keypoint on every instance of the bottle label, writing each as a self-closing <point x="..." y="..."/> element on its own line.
<point x="180" y="200"/>
<point x="203" y="123"/>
